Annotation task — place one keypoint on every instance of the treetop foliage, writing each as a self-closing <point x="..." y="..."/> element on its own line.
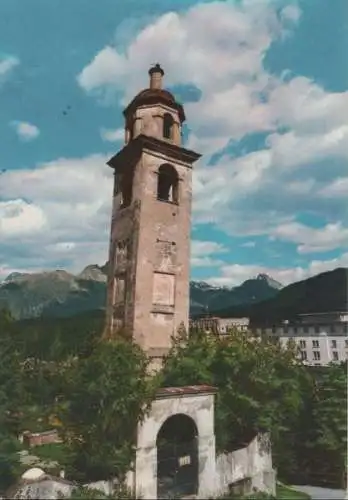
<point x="112" y="388"/>
<point x="259" y="382"/>
<point x="98" y="393"/>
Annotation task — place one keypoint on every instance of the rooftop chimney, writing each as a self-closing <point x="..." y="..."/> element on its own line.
<point x="156" y="76"/>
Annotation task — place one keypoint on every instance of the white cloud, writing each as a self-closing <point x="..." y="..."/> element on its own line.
<point x="61" y="217"/>
<point x="248" y="244"/>
<point x="69" y="181"/>
<point x="105" y="69"/>
<point x="206" y="145"/>
<point x="233" y="275"/>
<point x="18" y="218"/>
<point x="339" y="187"/>
<point x="61" y="247"/>
<point x="238" y="98"/>
<point x="301" y="187"/>
<point x="302" y="104"/>
<point x="261" y="190"/>
<point x="112" y="135"/>
<point x="26" y="131"/>
<point x="238" y="38"/>
<point x="256" y="192"/>
<point x="236" y="41"/>
<point x="309" y="148"/>
<point x="65" y="217"/>
<point x="313" y="240"/>
<point x="7" y="64"/>
<point x="228" y="114"/>
<point x="203" y="253"/>
<point x="291" y="12"/>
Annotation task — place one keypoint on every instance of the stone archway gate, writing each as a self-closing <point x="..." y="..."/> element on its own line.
<point x="196" y="402"/>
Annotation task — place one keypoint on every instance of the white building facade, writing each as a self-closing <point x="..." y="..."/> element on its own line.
<point x="321" y="337"/>
<point x="220" y="326"/>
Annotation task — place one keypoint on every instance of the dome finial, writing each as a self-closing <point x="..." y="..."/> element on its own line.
<point x="156" y="76"/>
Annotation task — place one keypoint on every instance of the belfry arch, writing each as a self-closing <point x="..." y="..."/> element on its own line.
<point x="168" y="184"/>
<point x="168" y="126"/>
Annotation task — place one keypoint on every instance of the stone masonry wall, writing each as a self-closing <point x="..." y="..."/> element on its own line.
<point x="250" y="466"/>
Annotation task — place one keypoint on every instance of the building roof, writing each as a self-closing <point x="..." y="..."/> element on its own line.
<point x="187" y="390"/>
<point x="155" y="96"/>
<point x="132" y="151"/>
<point x="323" y="313"/>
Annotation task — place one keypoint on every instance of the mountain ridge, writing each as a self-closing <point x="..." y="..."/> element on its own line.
<point x="324" y="292"/>
<point x="58" y="293"/>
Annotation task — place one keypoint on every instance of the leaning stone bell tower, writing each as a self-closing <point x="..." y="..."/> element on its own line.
<point x="149" y="254"/>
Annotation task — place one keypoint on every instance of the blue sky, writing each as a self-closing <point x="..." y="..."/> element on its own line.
<point x="265" y="88"/>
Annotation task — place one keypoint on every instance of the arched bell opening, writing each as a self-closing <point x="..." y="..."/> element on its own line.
<point x="168" y="184"/>
<point x="168" y="126"/>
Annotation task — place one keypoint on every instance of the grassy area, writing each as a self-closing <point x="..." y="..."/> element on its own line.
<point x="288" y="493"/>
<point x="283" y="493"/>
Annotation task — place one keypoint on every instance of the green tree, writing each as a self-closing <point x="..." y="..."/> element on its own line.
<point x="316" y="440"/>
<point x="10" y="402"/>
<point x="291" y="452"/>
<point x="106" y="395"/>
<point x="258" y="383"/>
<point x="329" y="445"/>
<point x="9" y="460"/>
<point x="264" y="387"/>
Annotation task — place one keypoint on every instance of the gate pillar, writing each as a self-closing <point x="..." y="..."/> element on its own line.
<point x="207" y="460"/>
<point x="145" y="472"/>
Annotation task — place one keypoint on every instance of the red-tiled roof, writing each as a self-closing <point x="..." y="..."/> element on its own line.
<point x="186" y="390"/>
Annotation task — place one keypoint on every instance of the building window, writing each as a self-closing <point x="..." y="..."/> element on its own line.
<point x="317" y="329"/>
<point x="124" y="186"/>
<point x="346" y="342"/>
<point x="334" y="344"/>
<point x="303" y="355"/>
<point x="315" y="344"/>
<point x="168" y="123"/>
<point x="286" y="330"/>
<point x="305" y="329"/>
<point x="168" y="184"/>
<point x="295" y="329"/>
<point x="303" y="344"/>
<point x="335" y="355"/>
<point x="316" y="355"/>
<point x="332" y="328"/>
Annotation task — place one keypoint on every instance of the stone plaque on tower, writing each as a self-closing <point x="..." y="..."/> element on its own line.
<point x="166" y="256"/>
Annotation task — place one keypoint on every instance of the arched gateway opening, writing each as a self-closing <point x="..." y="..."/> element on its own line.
<point x="177" y="458"/>
<point x="176" y="445"/>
